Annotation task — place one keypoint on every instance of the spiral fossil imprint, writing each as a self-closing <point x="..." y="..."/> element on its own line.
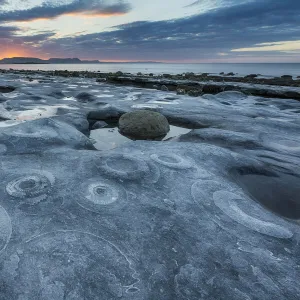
<point x="33" y="188"/>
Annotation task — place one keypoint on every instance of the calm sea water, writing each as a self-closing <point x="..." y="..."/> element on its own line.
<point x="269" y="69"/>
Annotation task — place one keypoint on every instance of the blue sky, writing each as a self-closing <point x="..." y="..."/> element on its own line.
<point x="161" y="30"/>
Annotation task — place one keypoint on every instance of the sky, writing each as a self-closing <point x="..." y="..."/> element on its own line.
<point x="184" y="31"/>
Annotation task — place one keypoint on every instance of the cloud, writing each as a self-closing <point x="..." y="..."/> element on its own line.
<point x="287" y="46"/>
<point x="213" y="4"/>
<point x="197" y="37"/>
<point x="206" y="36"/>
<point x="13" y="44"/>
<point x="50" y="10"/>
<point x="7" y="31"/>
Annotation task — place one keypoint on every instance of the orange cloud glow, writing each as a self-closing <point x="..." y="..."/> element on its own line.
<point x="93" y="14"/>
<point x="83" y="14"/>
<point x="33" y="20"/>
<point x="13" y="52"/>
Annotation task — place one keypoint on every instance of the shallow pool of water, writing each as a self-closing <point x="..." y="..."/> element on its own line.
<point x="277" y="192"/>
<point x="110" y="138"/>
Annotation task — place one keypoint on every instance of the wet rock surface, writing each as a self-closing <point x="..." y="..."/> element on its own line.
<point x="211" y="214"/>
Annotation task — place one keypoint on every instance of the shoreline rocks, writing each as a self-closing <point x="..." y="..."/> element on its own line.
<point x="189" y="83"/>
<point x="195" y="89"/>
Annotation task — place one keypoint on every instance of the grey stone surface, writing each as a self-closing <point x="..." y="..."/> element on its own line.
<point x="105" y="112"/>
<point x="99" y="124"/>
<point x="144" y="124"/>
<point x="213" y="214"/>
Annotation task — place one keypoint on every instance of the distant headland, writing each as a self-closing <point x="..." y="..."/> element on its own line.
<point x="34" y="60"/>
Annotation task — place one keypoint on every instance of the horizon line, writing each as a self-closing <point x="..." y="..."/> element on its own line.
<point x="147" y="61"/>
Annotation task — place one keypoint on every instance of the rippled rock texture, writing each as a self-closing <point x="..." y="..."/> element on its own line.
<point x="212" y="214"/>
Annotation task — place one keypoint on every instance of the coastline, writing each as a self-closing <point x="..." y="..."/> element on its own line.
<point x="284" y="87"/>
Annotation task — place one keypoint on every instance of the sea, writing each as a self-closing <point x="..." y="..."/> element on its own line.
<point x="240" y="69"/>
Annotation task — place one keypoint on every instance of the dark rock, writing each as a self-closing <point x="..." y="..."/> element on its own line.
<point x="164" y="88"/>
<point x="101" y="105"/>
<point x="35" y="97"/>
<point x="75" y="74"/>
<point x="212" y="89"/>
<point x="230" y="74"/>
<point x="144" y="124"/>
<point x="57" y="94"/>
<point x="171" y="98"/>
<point x="251" y="76"/>
<point x="6" y="89"/>
<point x="222" y="73"/>
<point x="100" y="79"/>
<point x="85" y="97"/>
<point x="280" y="81"/>
<point x="119" y="73"/>
<point x="228" y="88"/>
<point x="287" y="77"/>
<point x="189" y="82"/>
<point x="3" y="99"/>
<point x="260" y="104"/>
<point x="180" y="92"/>
<point x="195" y="93"/>
<point x="265" y="92"/>
<point x="189" y="75"/>
<point x="225" y="103"/>
<point x="64" y="73"/>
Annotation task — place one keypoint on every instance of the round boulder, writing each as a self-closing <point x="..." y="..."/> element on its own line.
<point x="144" y="124"/>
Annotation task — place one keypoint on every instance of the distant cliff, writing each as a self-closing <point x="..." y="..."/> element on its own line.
<point x="33" y="60"/>
<point x="22" y="60"/>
